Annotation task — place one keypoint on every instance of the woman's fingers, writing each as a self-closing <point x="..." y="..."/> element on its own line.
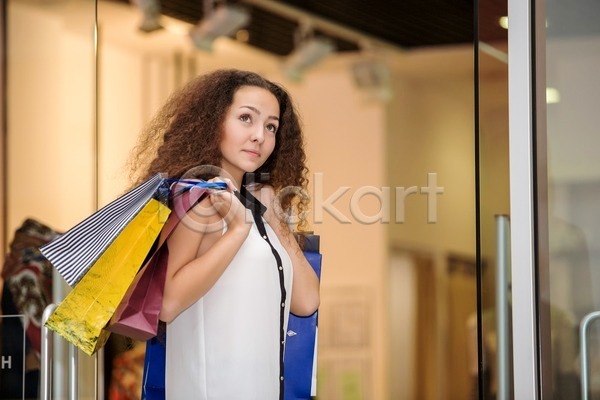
<point x="230" y="185"/>
<point x="221" y="204"/>
<point x="227" y="205"/>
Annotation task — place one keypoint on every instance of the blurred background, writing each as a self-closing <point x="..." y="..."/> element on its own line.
<point x="398" y="109"/>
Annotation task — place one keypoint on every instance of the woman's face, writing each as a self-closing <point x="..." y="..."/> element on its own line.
<point x="249" y="131"/>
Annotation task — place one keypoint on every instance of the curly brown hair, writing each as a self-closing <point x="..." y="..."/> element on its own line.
<point x="187" y="130"/>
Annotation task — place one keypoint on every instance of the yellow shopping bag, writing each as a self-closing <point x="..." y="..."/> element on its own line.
<point x="82" y="316"/>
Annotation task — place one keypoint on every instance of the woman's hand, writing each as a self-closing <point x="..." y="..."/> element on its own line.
<point x="229" y="207"/>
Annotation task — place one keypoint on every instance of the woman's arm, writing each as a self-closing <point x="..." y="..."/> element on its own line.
<point x="198" y="251"/>
<point x="305" y="289"/>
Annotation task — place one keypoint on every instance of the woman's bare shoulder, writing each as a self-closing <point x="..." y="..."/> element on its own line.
<point x="197" y="229"/>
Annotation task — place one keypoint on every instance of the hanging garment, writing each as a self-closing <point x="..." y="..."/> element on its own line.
<point x="28" y="276"/>
<point x="26" y="291"/>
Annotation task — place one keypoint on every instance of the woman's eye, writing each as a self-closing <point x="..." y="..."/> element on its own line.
<point x="272" y="128"/>
<point x="245" y="118"/>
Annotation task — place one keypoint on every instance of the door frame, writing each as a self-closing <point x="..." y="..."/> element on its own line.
<point x="528" y="195"/>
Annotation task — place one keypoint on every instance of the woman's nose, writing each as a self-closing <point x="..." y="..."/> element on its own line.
<point x="257" y="135"/>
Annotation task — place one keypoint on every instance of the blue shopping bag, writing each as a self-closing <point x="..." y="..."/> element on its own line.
<point x="153" y="381"/>
<point x="300" y="357"/>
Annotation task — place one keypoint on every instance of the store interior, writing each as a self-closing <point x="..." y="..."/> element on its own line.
<point x="392" y="160"/>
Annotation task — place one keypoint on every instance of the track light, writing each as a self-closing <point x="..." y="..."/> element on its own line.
<point x="150" y="15"/>
<point x="306" y="55"/>
<point x="224" y="20"/>
<point x="372" y="77"/>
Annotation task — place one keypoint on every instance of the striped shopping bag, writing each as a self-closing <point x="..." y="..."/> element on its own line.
<point x="73" y="253"/>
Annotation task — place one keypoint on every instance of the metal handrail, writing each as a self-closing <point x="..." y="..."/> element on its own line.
<point x="47" y="350"/>
<point x="502" y="306"/>
<point x="583" y="327"/>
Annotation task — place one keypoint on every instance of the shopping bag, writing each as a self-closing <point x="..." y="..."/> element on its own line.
<point x="300" y="357"/>
<point x="74" y="253"/>
<point x="137" y="315"/>
<point x="82" y="316"/>
<point x="153" y="379"/>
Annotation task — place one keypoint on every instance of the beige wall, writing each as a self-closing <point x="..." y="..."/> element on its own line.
<point x="50" y="118"/>
<point x="431" y="130"/>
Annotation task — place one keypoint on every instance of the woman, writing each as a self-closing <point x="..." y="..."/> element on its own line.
<point x="235" y="269"/>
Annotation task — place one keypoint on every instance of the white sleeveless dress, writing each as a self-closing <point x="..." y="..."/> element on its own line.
<point x="227" y="345"/>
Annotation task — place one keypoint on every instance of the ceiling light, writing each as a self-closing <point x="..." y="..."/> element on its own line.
<point x="552" y="95"/>
<point x="225" y="20"/>
<point x="306" y="55"/>
<point x="503" y="22"/>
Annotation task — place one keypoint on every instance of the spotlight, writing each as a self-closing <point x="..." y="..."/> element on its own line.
<point x="306" y="55"/>
<point x="150" y="15"/>
<point x="225" y="20"/>
<point x="373" y="78"/>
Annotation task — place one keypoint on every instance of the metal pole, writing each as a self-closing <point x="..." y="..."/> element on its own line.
<point x="502" y="306"/>
<point x="59" y="351"/>
<point x="73" y="366"/>
<point x="47" y="347"/>
<point x="100" y="374"/>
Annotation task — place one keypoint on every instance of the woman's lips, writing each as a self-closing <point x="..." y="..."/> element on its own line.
<point x="252" y="153"/>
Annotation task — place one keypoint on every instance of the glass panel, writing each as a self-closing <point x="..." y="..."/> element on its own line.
<point x="50" y="165"/>
<point x="432" y="279"/>
<point x="573" y="184"/>
<point x="493" y="380"/>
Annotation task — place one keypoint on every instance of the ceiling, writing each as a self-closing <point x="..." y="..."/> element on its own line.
<point x="402" y="24"/>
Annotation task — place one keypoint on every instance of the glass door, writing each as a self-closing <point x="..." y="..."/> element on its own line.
<point x="554" y="190"/>
<point x="49" y="178"/>
<point x="569" y="257"/>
